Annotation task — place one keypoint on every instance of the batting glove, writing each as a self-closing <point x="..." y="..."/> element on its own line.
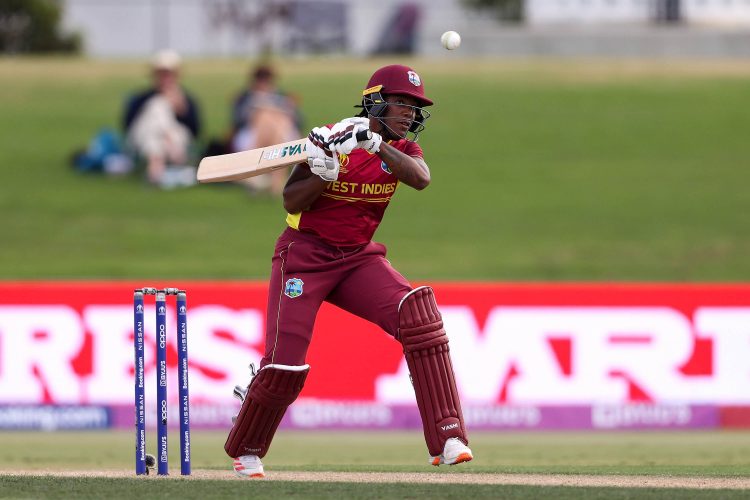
<point x="322" y="162"/>
<point x="344" y="136"/>
<point x="371" y="145"/>
<point x="357" y="120"/>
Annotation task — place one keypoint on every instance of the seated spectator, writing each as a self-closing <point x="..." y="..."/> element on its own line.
<point x="262" y="115"/>
<point x="162" y="124"/>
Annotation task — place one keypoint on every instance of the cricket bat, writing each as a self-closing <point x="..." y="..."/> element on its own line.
<point x="245" y="164"/>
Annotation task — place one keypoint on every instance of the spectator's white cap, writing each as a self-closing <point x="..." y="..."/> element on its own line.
<point x="166" y="60"/>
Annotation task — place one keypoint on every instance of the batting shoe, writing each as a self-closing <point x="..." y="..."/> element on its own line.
<point x="454" y="452"/>
<point x="249" y="466"/>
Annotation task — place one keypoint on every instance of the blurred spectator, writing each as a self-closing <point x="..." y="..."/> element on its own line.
<point x="162" y="124"/>
<point x="262" y="115"/>
<point x="105" y="153"/>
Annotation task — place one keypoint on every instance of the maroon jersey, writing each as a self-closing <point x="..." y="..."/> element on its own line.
<point x="350" y="209"/>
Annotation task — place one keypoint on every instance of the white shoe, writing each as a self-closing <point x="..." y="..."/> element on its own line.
<point x="454" y="452"/>
<point x="249" y="466"/>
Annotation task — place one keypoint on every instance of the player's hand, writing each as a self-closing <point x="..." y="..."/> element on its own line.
<point x="322" y="161"/>
<point x="371" y="145"/>
<point x="357" y="120"/>
<point x="344" y="136"/>
<point x="324" y="166"/>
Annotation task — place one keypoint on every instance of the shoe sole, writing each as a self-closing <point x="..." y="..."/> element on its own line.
<point x="257" y="475"/>
<point x="463" y="457"/>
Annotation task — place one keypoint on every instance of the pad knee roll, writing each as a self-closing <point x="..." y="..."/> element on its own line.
<point x="271" y="391"/>
<point x="427" y="355"/>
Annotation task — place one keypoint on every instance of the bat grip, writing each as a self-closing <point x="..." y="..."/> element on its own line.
<point x="363" y="135"/>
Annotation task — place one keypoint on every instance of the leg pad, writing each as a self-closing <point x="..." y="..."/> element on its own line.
<point x="427" y="355"/>
<point x="270" y="393"/>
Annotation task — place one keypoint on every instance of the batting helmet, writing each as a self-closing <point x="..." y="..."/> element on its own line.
<point x="396" y="79"/>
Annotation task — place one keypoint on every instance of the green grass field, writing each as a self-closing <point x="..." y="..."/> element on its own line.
<point x="676" y="456"/>
<point x="541" y="171"/>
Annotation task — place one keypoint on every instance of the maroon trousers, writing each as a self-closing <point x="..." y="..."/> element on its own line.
<point x="307" y="271"/>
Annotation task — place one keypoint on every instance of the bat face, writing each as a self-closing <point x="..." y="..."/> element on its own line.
<point x="245" y="164"/>
<point x="282" y="151"/>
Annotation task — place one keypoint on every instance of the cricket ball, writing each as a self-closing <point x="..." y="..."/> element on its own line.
<point x="450" y="40"/>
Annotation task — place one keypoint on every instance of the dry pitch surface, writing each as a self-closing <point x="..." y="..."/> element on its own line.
<point x="616" y="481"/>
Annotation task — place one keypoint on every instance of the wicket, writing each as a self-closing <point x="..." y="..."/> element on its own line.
<point x="161" y="380"/>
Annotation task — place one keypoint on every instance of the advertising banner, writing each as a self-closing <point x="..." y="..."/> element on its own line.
<point x="616" y="355"/>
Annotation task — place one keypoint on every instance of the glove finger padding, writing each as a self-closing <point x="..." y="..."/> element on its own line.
<point x="343" y="136"/>
<point x="371" y="145"/>
<point x="319" y="137"/>
<point x="322" y="162"/>
<point x="327" y="168"/>
<point x="316" y="152"/>
<point x="357" y="120"/>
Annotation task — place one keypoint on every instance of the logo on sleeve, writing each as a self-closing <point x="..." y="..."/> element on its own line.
<point x="385" y="168"/>
<point x="293" y="288"/>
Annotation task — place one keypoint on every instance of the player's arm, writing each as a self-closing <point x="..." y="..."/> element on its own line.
<point x="302" y="189"/>
<point x="309" y="180"/>
<point x="411" y="170"/>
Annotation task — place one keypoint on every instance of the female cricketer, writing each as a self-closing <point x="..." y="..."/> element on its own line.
<point x="335" y="202"/>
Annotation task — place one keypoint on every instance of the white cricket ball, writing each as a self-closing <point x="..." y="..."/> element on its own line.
<point x="450" y="40"/>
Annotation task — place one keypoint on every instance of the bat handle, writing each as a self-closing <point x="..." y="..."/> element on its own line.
<point x="363" y="135"/>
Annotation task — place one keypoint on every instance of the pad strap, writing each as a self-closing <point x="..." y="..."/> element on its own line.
<point x="427" y="355"/>
<point x="270" y="393"/>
